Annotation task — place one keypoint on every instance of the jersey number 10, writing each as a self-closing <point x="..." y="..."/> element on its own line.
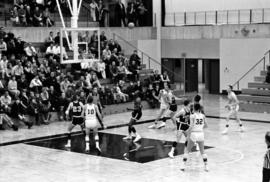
<point x="91" y="111"/>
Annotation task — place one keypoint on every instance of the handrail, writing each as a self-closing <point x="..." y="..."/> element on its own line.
<point x="254" y="66"/>
<point x="149" y="57"/>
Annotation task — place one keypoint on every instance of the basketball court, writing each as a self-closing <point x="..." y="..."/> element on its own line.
<point x="39" y="154"/>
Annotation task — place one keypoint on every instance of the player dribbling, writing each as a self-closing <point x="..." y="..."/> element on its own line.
<point x="91" y="115"/>
<point x="196" y="135"/>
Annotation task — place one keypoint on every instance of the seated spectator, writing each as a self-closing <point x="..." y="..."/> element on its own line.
<point x="49" y="40"/>
<point x="37" y="17"/>
<point x="3" y="66"/>
<point x="122" y="71"/>
<point x="106" y="54"/>
<point x="13" y="87"/>
<point x="14" y="17"/>
<point x="133" y="68"/>
<point x="65" y="84"/>
<point x="18" y="70"/>
<point x="30" y="51"/>
<point x="22" y="83"/>
<point x="6" y="102"/>
<point x="19" y="43"/>
<point x="101" y="69"/>
<point x="114" y="72"/>
<point x="119" y="96"/>
<point x="136" y="58"/>
<point x="86" y="37"/>
<point x="22" y="15"/>
<point x="95" y="82"/>
<point x="50" y="51"/>
<point x="18" y="111"/>
<point x="45" y="106"/>
<point x="47" y="19"/>
<point x="6" y="118"/>
<point x="35" y="84"/>
<point x="62" y="106"/>
<point x="3" y="47"/>
<point x="8" y="71"/>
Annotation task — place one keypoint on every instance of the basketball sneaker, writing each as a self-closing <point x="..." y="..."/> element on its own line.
<point x="129" y="137"/>
<point x="183" y="167"/>
<point x="163" y="124"/>
<point x="154" y="126"/>
<point x="241" y="129"/>
<point x="98" y="148"/>
<point x="138" y="138"/>
<point x="206" y="168"/>
<point x="87" y="148"/>
<point x="68" y="145"/>
<point x="170" y="154"/>
<point x="197" y="146"/>
<point x="225" y="131"/>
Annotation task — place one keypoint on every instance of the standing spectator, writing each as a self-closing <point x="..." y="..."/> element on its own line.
<point x="136" y="58"/>
<point x="133" y="68"/>
<point x="141" y="12"/>
<point x="65" y="84"/>
<point x="62" y="106"/>
<point x="102" y="69"/>
<point x="266" y="163"/>
<point x="164" y="78"/>
<point x="103" y="37"/>
<point x="156" y="78"/>
<point x="120" y="14"/>
<point x="101" y="13"/>
<point x="131" y="13"/>
<point x="3" y="47"/>
<point x="267" y="78"/>
<point x="34" y="106"/>
<point x="37" y="17"/>
<point x="86" y="37"/>
<point x="29" y="17"/>
<point x="3" y="66"/>
<point x="93" y="10"/>
<point x="95" y="82"/>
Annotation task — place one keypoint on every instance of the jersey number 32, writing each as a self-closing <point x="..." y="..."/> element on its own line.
<point x="199" y="121"/>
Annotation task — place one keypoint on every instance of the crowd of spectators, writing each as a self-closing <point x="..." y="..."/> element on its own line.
<point x="33" y="13"/>
<point x="36" y="86"/>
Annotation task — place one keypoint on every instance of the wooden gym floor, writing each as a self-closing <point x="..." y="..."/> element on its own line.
<point x="38" y="154"/>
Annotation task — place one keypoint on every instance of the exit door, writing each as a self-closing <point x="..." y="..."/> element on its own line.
<point x="191" y="75"/>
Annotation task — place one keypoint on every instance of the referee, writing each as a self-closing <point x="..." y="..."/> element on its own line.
<point x="266" y="163"/>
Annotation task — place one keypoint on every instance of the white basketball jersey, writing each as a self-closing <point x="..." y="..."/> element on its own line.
<point x="163" y="97"/>
<point x="90" y="112"/>
<point x="199" y="121"/>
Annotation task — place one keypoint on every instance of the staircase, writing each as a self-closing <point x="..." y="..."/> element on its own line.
<point x="148" y="63"/>
<point x="256" y="98"/>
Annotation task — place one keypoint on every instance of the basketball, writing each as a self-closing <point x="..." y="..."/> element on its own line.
<point x="131" y="25"/>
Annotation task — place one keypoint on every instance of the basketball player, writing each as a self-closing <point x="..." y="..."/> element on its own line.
<point x="196" y="135"/>
<point x="136" y="115"/>
<point x="91" y="114"/>
<point x="182" y="125"/>
<point x="164" y="105"/>
<point x="233" y="107"/>
<point x="96" y="101"/>
<point x="196" y="100"/>
<point x="76" y="109"/>
<point x="266" y="162"/>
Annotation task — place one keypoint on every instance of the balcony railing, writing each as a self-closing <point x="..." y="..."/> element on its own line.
<point x="244" y="16"/>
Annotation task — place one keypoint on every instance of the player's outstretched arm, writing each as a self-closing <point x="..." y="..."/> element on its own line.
<point x="68" y="109"/>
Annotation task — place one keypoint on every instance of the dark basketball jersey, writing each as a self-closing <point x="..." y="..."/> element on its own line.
<point x="185" y="118"/>
<point x="76" y="109"/>
<point x="173" y="106"/>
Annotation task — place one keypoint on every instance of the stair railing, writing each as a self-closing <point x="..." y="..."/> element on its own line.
<point x="150" y="60"/>
<point x="262" y="60"/>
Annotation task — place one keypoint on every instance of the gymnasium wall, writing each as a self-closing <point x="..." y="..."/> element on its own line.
<point x="238" y="56"/>
<point x="206" y="5"/>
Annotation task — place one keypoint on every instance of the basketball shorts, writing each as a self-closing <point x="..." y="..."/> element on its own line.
<point x="163" y="106"/>
<point x="182" y="126"/>
<point x="136" y="115"/>
<point x="173" y="108"/>
<point x="77" y="120"/>
<point x="234" y="109"/>
<point x="91" y="124"/>
<point x="197" y="136"/>
<point x="266" y="175"/>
